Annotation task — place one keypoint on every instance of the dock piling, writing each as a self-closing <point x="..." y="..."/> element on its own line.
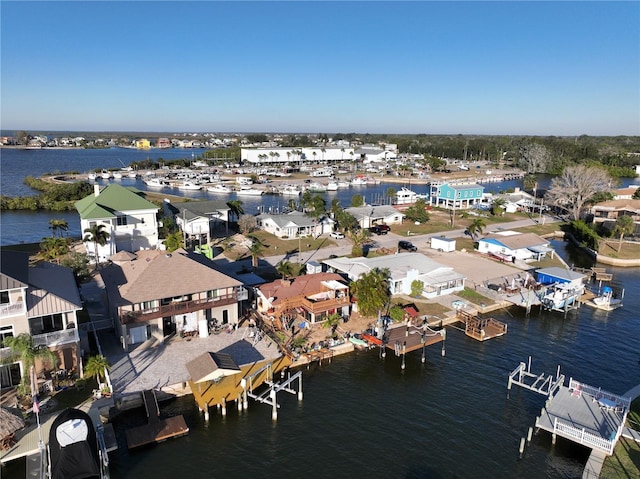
<point x="529" y="435"/>
<point x="521" y="449"/>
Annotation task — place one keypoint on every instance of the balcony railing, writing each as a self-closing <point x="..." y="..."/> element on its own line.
<point x="12" y="309"/>
<point x="181" y="307"/>
<point x="56" y="338"/>
<point x="314" y="307"/>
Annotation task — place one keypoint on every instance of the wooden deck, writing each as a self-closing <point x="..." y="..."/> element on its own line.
<point x="157" y="430"/>
<point x="481" y="328"/>
<point x="577" y="416"/>
<point x="404" y="339"/>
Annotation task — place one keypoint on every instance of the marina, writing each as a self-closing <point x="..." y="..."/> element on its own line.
<point x="334" y="408"/>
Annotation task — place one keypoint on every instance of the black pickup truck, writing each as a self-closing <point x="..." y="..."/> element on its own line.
<point x="380" y="229"/>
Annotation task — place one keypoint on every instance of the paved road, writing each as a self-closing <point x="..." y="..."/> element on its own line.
<point x="390" y="240"/>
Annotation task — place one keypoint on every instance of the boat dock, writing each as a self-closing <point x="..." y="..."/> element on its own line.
<point x="581" y="413"/>
<point x="156" y="430"/>
<point x="481" y="328"/>
<point x="403" y="339"/>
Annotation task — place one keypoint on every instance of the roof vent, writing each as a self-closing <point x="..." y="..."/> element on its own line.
<point x="168" y="255"/>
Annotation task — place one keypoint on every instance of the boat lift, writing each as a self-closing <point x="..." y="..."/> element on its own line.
<point x="543" y="384"/>
<point x="269" y="396"/>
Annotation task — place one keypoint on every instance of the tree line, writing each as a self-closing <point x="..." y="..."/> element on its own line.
<point x="53" y="196"/>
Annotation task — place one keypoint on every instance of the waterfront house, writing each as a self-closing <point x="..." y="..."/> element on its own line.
<point x="563" y="276"/>
<point x="294" y="224"/>
<point x="312" y="296"/>
<point x="404" y="268"/>
<point x="369" y="215"/>
<point x="153" y="295"/>
<point x="197" y="219"/>
<point x="511" y="246"/>
<point x="143" y="144"/>
<point x="455" y="196"/>
<point x="608" y="212"/>
<point x="42" y="301"/>
<point x="129" y="219"/>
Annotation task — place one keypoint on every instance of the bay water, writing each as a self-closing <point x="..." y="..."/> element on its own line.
<point x="364" y="416"/>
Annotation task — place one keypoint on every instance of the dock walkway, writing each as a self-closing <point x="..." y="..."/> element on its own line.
<point x="156" y="430"/>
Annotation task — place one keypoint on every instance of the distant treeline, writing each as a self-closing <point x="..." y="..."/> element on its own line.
<point x="53" y="196"/>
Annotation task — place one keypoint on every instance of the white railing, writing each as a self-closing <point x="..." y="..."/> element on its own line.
<point x="584" y="437"/>
<point x="56" y="338"/>
<point x="12" y="309"/>
<point x="599" y="393"/>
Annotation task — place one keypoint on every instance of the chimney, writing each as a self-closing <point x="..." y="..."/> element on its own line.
<point x="96" y="190"/>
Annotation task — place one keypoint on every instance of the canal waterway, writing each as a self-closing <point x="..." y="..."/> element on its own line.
<point x="365" y="417"/>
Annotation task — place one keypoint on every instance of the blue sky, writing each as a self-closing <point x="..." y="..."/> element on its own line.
<point x="534" y="68"/>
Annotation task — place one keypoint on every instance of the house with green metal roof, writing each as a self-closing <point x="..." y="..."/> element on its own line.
<point x="129" y="219"/>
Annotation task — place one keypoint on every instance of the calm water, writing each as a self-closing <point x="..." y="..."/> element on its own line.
<point x="362" y="416"/>
<point x="31" y="226"/>
<point x="450" y="418"/>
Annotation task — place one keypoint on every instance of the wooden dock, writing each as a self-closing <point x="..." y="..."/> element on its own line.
<point x="581" y="413"/>
<point x="403" y="339"/>
<point x="157" y="430"/>
<point x="481" y="329"/>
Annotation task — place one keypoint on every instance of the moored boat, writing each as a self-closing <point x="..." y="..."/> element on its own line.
<point x="219" y="188"/>
<point x="189" y="186"/>
<point x="332" y="186"/>
<point x="290" y="190"/>
<point x="248" y="191"/>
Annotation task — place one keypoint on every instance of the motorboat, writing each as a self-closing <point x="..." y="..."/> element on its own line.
<point x="359" y="181"/>
<point x="606" y="300"/>
<point x="560" y="297"/>
<point x="332" y="186"/>
<point x="92" y="176"/>
<point x="76" y="447"/>
<point x="219" y="188"/>
<point x="189" y="186"/>
<point x="343" y="184"/>
<point x="155" y="182"/>
<point x="316" y="187"/>
<point x="117" y="175"/>
<point x="291" y="190"/>
<point x="106" y="174"/>
<point x="248" y="191"/>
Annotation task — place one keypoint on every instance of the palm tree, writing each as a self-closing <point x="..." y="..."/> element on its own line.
<point x="53" y="248"/>
<point x="95" y="368"/>
<point x="98" y="236"/>
<point x="256" y="249"/>
<point x="24" y="351"/>
<point x="235" y="207"/>
<point x="359" y="238"/>
<point x="372" y="291"/>
<point x="498" y="206"/>
<point x="332" y="321"/>
<point x="624" y="226"/>
<point x="476" y="226"/>
<point x="56" y="225"/>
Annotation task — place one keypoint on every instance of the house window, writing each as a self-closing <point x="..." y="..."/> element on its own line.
<point x="148" y="305"/>
<point x="6" y="332"/>
<point x="4" y="297"/>
<point x="10" y="375"/>
<point x="46" y="324"/>
<point x="121" y="220"/>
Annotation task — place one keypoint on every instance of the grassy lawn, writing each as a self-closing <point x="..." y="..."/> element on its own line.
<point x="625" y="461"/>
<point x="628" y="250"/>
<point x="540" y="230"/>
<point x="273" y="245"/>
<point x="474" y="297"/>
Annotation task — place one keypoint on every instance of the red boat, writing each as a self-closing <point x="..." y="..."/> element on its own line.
<point x="372" y="339"/>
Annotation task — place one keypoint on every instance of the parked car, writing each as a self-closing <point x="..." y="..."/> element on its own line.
<point x="337" y="235"/>
<point x="407" y="245"/>
<point x="380" y="229"/>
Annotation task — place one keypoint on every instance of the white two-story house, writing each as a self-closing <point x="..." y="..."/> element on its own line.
<point x="129" y="219"/>
<point x="41" y="301"/>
